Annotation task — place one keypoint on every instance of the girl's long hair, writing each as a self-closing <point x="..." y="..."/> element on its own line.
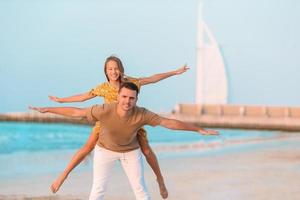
<point x="119" y="64"/>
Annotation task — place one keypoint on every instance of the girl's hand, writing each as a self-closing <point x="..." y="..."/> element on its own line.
<point x="54" y="98"/>
<point x="181" y="70"/>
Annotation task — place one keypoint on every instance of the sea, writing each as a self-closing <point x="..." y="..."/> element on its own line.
<point x="36" y="149"/>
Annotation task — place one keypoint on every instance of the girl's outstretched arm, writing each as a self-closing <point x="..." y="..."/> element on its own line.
<point x="158" y="77"/>
<point x="75" y="98"/>
<point x="76" y="160"/>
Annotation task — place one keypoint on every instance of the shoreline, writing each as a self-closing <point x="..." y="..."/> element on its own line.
<point x="214" y="116"/>
<point x="267" y="170"/>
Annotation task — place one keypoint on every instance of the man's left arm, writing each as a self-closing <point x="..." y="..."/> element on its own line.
<point x="179" y="125"/>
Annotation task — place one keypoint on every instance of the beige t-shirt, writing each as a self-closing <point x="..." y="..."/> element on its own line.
<point x="119" y="133"/>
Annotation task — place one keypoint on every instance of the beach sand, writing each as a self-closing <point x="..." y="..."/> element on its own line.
<point x="268" y="170"/>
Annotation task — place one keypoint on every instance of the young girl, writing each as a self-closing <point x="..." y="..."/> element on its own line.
<point x="114" y="72"/>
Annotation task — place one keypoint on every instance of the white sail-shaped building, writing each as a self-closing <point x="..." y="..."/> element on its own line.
<point x="211" y="80"/>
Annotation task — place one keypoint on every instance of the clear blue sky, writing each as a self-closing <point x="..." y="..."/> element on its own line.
<point x="58" y="47"/>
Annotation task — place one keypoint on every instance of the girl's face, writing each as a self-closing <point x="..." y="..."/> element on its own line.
<point x="112" y="70"/>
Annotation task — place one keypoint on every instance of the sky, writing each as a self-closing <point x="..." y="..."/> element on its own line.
<point x="58" y="47"/>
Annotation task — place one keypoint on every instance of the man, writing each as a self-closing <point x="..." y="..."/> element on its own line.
<point x="117" y="139"/>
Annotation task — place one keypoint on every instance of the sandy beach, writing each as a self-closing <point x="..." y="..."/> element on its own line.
<point x="261" y="171"/>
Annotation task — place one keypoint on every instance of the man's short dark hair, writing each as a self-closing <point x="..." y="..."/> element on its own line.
<point x="130" y="86"/>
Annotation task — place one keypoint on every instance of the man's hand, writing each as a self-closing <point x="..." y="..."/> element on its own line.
<point x="208" y="132"/>
<point x="39" y="109"/>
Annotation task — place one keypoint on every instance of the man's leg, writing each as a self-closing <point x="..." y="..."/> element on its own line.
<point x="132" y="164"/>
<point x="102" y="168"/>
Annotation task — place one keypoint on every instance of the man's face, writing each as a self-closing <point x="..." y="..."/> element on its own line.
<point x="127" y="99"/>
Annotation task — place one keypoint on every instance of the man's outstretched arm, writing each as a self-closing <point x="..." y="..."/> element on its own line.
<point x="65" y="111"/>
<point x="179" y="125"/>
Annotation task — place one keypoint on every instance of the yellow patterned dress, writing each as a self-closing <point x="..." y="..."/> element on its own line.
<point x="110" y="95"/>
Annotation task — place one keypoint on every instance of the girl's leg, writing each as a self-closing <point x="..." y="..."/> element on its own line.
<point x="77" y="158"/>
<point x="152" y="161"/>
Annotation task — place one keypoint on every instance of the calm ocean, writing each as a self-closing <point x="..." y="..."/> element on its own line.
<point x="28" y="149"/>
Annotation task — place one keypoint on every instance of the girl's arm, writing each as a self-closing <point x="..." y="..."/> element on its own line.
<point x="76" y="160"/>
<point x="75" y="98"/>
<point x="158" y="77"/>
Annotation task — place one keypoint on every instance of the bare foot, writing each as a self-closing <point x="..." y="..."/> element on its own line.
<point x="57" y="183"/>
<point x="162" y="188"/>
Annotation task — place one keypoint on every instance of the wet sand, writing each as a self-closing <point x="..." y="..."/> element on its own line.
<point x="261" y="171"/>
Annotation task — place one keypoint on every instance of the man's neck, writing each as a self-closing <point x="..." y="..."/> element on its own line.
<point x="123" y="113"/>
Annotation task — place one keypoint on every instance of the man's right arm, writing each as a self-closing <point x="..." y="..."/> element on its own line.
<point x="65" y="111"/>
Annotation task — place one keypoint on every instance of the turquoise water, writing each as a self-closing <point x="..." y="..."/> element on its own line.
<point x="29" y="149"/>
<point x="36" y="137"/>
